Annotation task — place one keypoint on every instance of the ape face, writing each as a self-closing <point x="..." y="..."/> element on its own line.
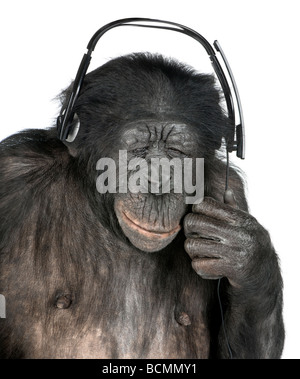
<point x="171" y="113"/>
<point x="151" y="220"/>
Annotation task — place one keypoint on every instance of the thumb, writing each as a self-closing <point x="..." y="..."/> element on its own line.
<point x="230" y="199"/>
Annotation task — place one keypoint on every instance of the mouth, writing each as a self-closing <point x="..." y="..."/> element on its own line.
<point x="149" y="233"/>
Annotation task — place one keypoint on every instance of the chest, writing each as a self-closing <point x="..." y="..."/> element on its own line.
<point x="143" y="330"/>
<point x="121" y="311"/>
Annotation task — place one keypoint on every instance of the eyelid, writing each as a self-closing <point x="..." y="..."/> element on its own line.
<point x="139" y="150"/>
<point x="176" y="150"/>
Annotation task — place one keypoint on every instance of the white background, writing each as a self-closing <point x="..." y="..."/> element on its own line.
<point x="42" y="43"/>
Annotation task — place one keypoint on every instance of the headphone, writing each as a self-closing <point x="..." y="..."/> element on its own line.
<point x="68" y="122"/>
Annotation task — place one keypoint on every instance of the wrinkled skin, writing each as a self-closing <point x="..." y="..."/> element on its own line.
<point x="152" y="221"/>
<point x="223" y="241"/>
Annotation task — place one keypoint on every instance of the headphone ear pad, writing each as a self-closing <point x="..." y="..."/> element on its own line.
<point x="73" y="129"/>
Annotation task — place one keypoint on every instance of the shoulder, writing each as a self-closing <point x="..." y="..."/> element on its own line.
<point x="25" y="156"/>
<point x="31" y="162"/>
<point x="30" y="148"/>
<point x="35" y="168"/>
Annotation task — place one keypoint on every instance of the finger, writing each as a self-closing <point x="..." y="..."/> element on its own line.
<point x="216" y="268"/>
<point x="201" y="226"/>
<point x="229" y="198"/>
<point x="208" y="268"/>
<point x="203" y="248"/>
<point x="218" y="210"/>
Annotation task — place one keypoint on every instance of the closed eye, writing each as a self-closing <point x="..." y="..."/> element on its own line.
<point x="174" y="152"/>
<point x="140" y="152"/>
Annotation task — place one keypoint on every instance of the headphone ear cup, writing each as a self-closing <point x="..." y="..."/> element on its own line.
<point x="73" y="129"/>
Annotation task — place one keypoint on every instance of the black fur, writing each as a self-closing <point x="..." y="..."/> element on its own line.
<point x="60" y="239"/>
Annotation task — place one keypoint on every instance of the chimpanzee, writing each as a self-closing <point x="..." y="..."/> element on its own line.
<point x="87" y="274"/>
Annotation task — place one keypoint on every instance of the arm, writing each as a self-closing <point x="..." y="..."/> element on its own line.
<point x="223" y="241"/>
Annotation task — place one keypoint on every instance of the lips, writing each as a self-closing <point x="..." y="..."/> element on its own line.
<point x="157" y="234"/>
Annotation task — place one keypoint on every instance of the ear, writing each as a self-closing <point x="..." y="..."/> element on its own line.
<point x="72" y="149"/>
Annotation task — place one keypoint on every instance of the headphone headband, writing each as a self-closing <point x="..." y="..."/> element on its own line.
<point x="67" y="114"/>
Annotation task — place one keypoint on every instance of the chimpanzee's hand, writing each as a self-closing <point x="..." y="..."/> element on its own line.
<point x="223" y="241"/>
